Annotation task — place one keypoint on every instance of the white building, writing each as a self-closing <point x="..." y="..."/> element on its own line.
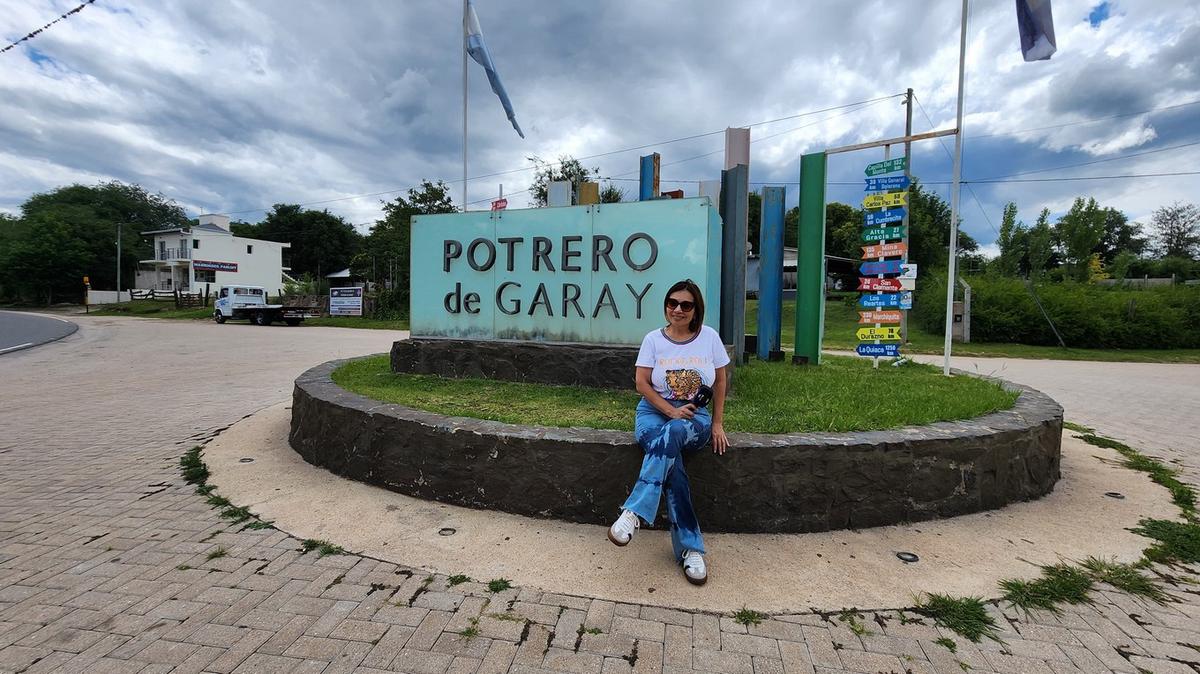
<point x="208" y="255"/>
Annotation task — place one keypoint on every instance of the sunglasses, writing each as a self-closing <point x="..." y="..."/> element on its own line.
<point x="684" y="306"/>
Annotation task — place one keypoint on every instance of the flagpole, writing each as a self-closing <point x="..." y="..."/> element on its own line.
<point x="954" y="194"/>
<point x="463" y="44"/>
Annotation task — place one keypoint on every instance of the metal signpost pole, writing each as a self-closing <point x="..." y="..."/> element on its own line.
<point x="908" y="103"/>
<point x="954" y="192"/>
<point x="887" y="154"/>
<point x="119" y="262"/>
<point x="462" y="37"/>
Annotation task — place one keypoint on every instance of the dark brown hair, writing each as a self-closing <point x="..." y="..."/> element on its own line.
<point x="690" y="286"/>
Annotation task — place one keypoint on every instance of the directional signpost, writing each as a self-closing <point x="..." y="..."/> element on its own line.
<point x="887" y="252"/>
<point x="882" y="233"/>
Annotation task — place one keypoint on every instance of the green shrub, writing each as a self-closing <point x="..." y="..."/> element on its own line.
<point x="1087" y="316"/>
<point x="391" y="305"/>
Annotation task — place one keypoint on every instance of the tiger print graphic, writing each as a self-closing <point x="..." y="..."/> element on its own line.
<point x="683" y="383"/>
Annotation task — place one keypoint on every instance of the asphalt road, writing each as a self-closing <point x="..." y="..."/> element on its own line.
<point x="19" y="330"/>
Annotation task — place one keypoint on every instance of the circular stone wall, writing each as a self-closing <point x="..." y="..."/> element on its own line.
<point x="765" y="484"/>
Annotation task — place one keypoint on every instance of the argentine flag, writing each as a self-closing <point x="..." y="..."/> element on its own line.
<point x="479" y="51"/>
<point x="1035" y="22"/>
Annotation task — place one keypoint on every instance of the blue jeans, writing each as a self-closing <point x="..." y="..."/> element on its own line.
<point x="665" y="442"/>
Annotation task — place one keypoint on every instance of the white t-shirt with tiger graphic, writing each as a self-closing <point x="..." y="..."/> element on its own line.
<point x="681" y="367"/>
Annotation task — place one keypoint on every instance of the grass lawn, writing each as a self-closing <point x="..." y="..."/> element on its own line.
<point x="155" y="309"/>
<point x="844" y="394"/>
<point x="841" y="321"/>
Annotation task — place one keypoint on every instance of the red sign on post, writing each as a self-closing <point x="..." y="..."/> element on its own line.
<point x="884" y="284"/>
<point x="500" y="204"/>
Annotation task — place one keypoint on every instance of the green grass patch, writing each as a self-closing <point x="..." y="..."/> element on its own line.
<point x="192" y="467"/>
<point x="257" y="525"/>
<point x="151" y="309"/>
<point x="1125" y="577"/>
<point x="1059" y="583"/>
<point x="457" y="579"/>
<point x="471" y="631"/>
<point x="748" y="616"/>
<point x="947" y="643"/>
<point x="1078" y="428"/>
<point x="853" y="620"/>
<point x="966" y="616"/>
<point x="1182" y="494"/>
<point x="218" y="501"/>
<point x="499" y="585"/>
<point x="218" y="553"/>
<point x="843" y="394"/>
<point x="322" y="547"/>
<point x="509" y="617"/>
<point x="841" y="322"/>
<point x="357" y="322"/>
<point x="1177" y="542"/>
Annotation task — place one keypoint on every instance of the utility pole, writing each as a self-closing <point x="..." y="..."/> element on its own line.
<point x="952" y="270"/>
<point x="119" y="228"/>
<point x="908" y="103"/>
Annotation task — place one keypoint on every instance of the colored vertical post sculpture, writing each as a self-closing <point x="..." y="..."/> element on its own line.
<point x="648" y="179"/>
<point x="770" y="274"/>
<point x="810" y="281"/>
<point x="735" y="198"/>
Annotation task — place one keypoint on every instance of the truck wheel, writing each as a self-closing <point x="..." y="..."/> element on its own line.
<point x="261" y="318"/>
<point x="218" y="317"/>
<point x="292" y="321"/>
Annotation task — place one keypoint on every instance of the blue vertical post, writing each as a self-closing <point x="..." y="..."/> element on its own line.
<point x="648" y="180"/>
<point x="770" y="274"/>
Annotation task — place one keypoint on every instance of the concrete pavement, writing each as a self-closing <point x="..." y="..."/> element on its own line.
<point x="109" y="562"/>
<point x="24" y="330"/>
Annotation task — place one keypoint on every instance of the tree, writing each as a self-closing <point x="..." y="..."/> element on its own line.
<point x="47" y="260"/>
<point x="387" y="251"/>
<point x="1119" y="235"/>
<point x="322" y="243"/>
<point x="1010" y="240"/>
<point x="90" y="215"/>
<point x="1177" y="230"/>
<point x="1041" y="245"/>
<point x="611" y="194"/>
<point x="566" y="168"/>
<point x="929" y="229"/>
<point x="753" y="221"/>
<point x="1078" y="233"/>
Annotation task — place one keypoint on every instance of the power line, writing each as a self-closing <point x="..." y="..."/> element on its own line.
<point x="1096" y="161"/>
<point x="588" y="157"/>
<point x="1128" y="175"/>
<point x="35" y="33"/>
<point x="1086" y="121"/>
<point x="970" y="189"/>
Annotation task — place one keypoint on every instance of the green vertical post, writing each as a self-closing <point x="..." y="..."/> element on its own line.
<point x="810" y="261"/>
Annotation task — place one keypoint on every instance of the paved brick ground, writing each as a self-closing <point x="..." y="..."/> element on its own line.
<point x="106" y="560"/>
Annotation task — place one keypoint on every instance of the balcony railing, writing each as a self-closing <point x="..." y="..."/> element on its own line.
<point x="173" y="254"/>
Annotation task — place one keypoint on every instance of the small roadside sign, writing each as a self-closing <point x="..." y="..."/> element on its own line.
<point x="500" y="204"/>
<point x="878" y="350"/>
<point x="885" y="200"/>
<point x="902" y="300"/>
<point x="868" y="317"/>
<point x="884" y="250"/>
<point x="876" y="268"/>
<point x="885" y="334"/>
<point x="885" y="284"/>
<point x="908" y="270"/>
<point x="883" y="233"/>
<point x="346" y="301"/>
<point x="887" y="183"/>
<point x="886" y="166"/>
<point x="883" y="217"/>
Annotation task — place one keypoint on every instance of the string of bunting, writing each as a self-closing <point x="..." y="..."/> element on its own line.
<point x="39" y="30"/>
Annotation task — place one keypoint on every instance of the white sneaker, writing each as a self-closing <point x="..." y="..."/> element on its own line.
<point x="693" y="567"/>
<point x="622" y="530"/>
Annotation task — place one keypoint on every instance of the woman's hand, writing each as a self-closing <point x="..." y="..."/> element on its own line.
<point x="719" y="442"/>
<point x="685" y="412"/>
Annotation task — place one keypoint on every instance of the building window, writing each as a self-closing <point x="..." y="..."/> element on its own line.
<point x="195" y="243"/>
<point x="205" y="276"/>
<point x="249" y="249"/>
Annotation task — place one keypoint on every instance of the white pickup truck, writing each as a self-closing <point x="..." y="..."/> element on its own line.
<point x="250" y="302"/>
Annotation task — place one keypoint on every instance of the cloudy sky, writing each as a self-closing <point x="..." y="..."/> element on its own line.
<point x="230" y="107"/>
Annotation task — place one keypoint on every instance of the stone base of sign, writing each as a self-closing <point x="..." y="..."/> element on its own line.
<point x="594" y="365"/>
<point x="766" y="483"/>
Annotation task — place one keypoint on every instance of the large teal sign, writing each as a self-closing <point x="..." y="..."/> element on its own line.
<point x="573" y="274"/>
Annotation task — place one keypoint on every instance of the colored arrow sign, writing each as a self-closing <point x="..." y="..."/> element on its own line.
<point x="885" y="200"/>
<point x="877" y="268"/>
<point x="888" y="183"/>
<point x="868" y="317"/>
<point x="883" y="233"/>
<point x="884" y="250"/>
<point x="883" y="217"/>
<point x="885" y="284"/>
<point x="898" y="300"/>
<point x="878" y="350"/>
<point x="871" y="334"/>
<point x="886" y="166"/>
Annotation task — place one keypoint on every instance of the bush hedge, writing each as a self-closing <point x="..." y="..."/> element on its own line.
<point x="1087" y="316"/>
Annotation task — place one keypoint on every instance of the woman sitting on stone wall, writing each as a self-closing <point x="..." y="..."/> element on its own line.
<point x="680" y="370"/>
